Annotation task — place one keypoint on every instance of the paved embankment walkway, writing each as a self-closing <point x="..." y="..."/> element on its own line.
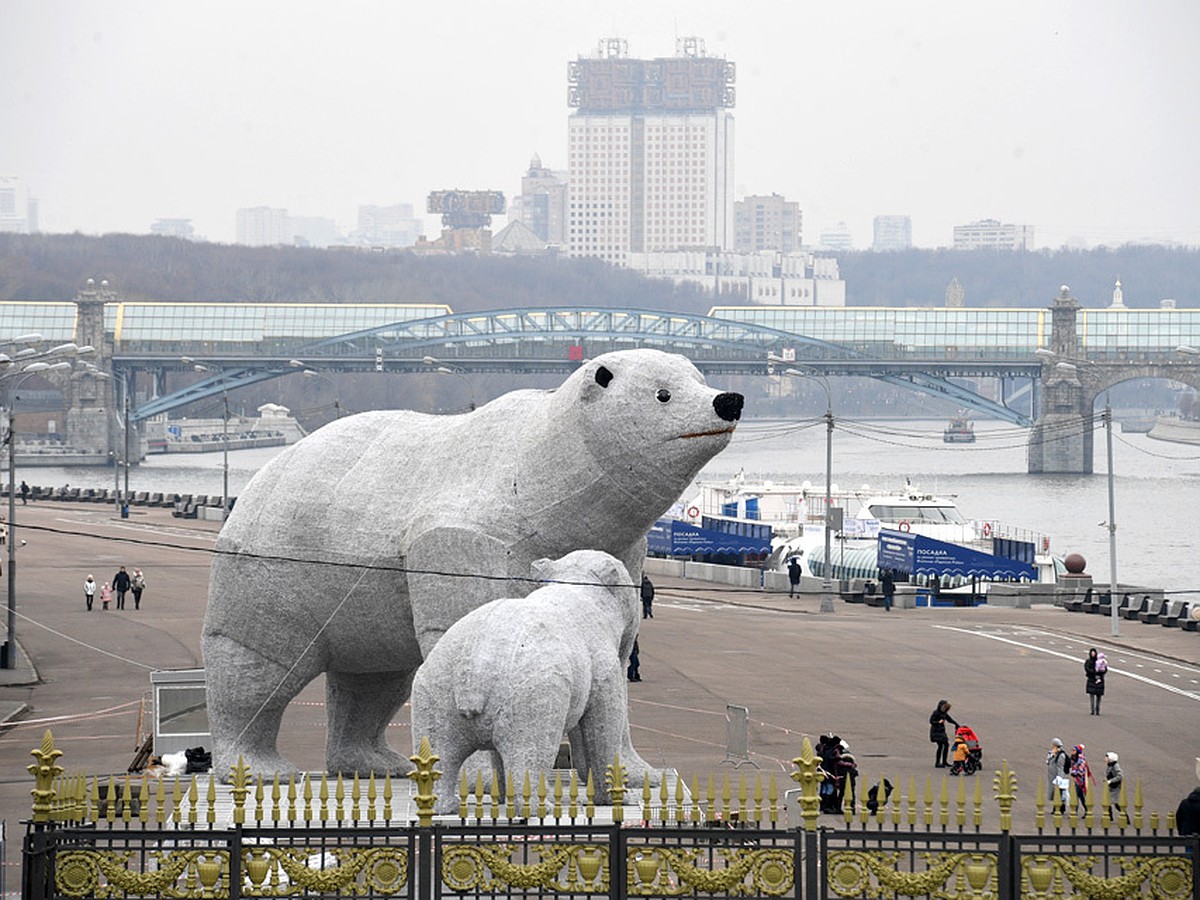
<point x="1014" y="675"/>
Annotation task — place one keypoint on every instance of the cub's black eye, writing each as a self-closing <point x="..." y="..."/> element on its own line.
<point x="663" y="395"/>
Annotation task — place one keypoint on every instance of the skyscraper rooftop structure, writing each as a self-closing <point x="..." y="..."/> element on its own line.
<point x="650" y="152"/>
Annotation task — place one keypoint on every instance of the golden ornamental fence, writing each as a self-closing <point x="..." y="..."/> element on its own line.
<point x="134" y="836"/>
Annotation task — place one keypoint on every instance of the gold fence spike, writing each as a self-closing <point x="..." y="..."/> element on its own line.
<point x="211" y="798"/>
<point x="911" y="817"/>
<point x="556" y="794"/>
<point x="977" y="803"/>
<point x="479" y="796"/>
<point x="960" y="801"/>
<point x="339" y="799"/>
<point x="647" y="803"/>
<point x="1004" y="785"/>
<point x="44" y="770"/>
<point x="356" y="799"/>
<point x="614" y="777"/>
<point x="494" y="806"/>
<point x="259" y="797"/>
<point x="808" y="776"/>
<point x="306" y="792"/>
<point x="943" y="801"/>
<point x="511" y="802"/>
<point x="372" y="797"/>
<point x="573" y="801"/>
<point x="425" y="777"/>
<point x="542" y="792"/>
<point x="927" y="804"/>
<point x="1137" y="804"/>
<point x="323" y="799"/>
<point x="144" y="803"/>
<point x="293" y="796"/>
<point x="773" y="799"/>
<point x="240" y="786"/>
<point x="591" y="796"/>
<point x="387" y="798"/>
<point x="176" y="803"/>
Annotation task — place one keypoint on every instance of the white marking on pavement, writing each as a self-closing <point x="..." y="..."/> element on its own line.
<point x="1191" y="695"/>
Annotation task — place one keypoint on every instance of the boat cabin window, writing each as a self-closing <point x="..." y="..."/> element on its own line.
<point x="937" y="515"/>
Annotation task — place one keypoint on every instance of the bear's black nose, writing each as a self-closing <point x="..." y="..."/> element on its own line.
<point x="729" y="406"/>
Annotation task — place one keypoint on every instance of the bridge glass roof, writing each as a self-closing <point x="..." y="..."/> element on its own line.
<point x="1112" y="330"/>
<point x="53" y="321"/>
<point x="904" y="329"/>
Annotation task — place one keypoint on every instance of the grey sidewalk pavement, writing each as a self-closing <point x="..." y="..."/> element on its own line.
<point x="1014" y="675"/>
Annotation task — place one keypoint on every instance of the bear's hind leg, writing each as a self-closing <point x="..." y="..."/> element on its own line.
<point x="247" y="696"/>
<point x="360" y="707"/>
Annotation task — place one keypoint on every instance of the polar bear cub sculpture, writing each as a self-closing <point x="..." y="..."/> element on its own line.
<point x="516" y="674"/>
<point x="353" y="551"/>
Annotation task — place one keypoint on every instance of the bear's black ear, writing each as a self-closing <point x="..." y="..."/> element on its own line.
<point x="603" y="377"/>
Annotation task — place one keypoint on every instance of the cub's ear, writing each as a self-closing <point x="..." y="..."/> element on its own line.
<point x="603" y="377"/>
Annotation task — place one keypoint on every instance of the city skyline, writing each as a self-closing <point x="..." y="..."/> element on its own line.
<point x="1072" y="118"/>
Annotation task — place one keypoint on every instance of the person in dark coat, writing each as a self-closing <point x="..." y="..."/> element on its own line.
<point x="120" y="583"/>
<point x="887" y="583"/>
<point x="1187" y="815"/>
<point x="647" y="598"/>
<point x="24" y="493"/>
<point x="937" y="733"/>
<point x="793" y="570"/>
<point x="1094" y="672"/>
<point x="633" y="672"/>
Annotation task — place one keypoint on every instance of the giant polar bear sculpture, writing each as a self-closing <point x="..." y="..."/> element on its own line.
<point x="353" y="551"/>
<point x="516" y="674"/>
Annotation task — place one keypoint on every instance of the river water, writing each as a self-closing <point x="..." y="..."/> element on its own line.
<point x="1156" y="484"/>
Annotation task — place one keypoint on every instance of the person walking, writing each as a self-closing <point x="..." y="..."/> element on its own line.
<point x="794" y="571"/>
<point x="633" y="673"/>
<point x="89" y="591"/>
<point x="1081" y="774"/>
<point x="120" y="583"/>
<point x="1095" y="667"/>
<point x="1113" y="778"/>
<point x="937" y="733"/>
<point x="137" y="584"/>
<point x="1187" y="814"/>
<point x="1058" y="766"/>
<point x="887" y="583"/>
<point x="647" y="597"/>
<point x="105" y="596"/>
<point x="24" y="493"/>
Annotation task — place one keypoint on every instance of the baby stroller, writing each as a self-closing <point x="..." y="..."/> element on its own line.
<point x="968" y="752"/>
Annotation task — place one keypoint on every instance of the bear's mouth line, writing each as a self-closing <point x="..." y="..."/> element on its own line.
<point x="713" y="433"/>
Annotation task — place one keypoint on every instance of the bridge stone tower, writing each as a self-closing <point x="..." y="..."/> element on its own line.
<point x="91" y="423"/>
<point x="1061" y="440"/>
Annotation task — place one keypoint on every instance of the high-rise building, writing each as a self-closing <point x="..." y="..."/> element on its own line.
<point x="650" y="148"/>
<point x="837" y="239"/>
<point x="542" y="204"/>
<point x="180" y="228"/>
<point x="263" y="226"/>
<point x="990" y="234"/>
<point x="388" y="226"/>
<point x="767" y="223"/>
<point x="892" y="233"/>
<point x="18" y="210"/>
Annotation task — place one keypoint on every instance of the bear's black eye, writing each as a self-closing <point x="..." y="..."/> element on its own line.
<point x="603" y="377"/>
<point x="663" y="395"/>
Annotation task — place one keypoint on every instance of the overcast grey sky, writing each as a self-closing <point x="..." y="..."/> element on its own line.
<point x="1079" y="118"/>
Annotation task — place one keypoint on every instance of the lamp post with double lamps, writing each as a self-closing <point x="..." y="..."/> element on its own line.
<point x="306" y="372"/>
<point x="826" y="582"/>
<point x="441" y="368"/>
<point x="34" y="368"/>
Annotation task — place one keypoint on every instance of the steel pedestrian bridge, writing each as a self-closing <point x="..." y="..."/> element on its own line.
<point x="928" y="349"/>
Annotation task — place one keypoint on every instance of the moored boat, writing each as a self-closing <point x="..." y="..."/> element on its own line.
<point x="961" y="430"/>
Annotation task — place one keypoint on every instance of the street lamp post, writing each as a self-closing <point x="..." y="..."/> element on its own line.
<point x="1112" y="522"/>
<point x="313" y="373"/>
<point x="10" y="644"/>
<point x="826" y="582"/>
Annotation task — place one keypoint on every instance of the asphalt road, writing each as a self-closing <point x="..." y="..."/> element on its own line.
<point x="1016" y="676"/>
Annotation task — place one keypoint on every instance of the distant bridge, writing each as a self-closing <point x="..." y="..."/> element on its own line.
<point x="1029" y="351"/>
